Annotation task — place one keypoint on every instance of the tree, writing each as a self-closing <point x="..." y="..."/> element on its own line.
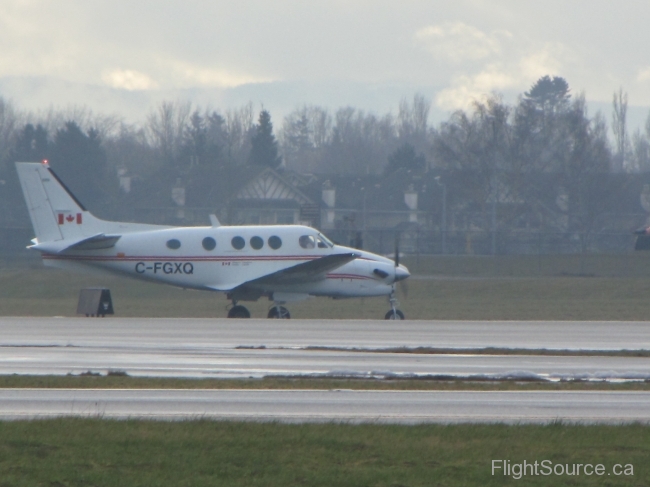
<point x="549" y="95"/>
<point x="166" y="128"/>
<point x="412" y="123"/>
<point x="203" y="140"/>
<point x="8" y="126"/>
<point x="405" y="157"/>
<point x="264" y="147"/>
<point x="239" y="127"/>
<point x="305" y="135"/>
<point x="360" y="142"/>
<point x="478" y="146"/>
<point x="80" y="160"/>
<point x="619" y="127"/>
<point x="32" y="144"/>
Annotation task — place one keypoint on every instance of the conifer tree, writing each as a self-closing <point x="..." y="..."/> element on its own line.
<point x="264" y="150"/>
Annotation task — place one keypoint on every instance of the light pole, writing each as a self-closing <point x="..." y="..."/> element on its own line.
<point x="443" y="225"/>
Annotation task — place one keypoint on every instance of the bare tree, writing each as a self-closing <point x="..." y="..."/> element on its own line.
<point x="304" y="134"/>
<point x="413" y="120"/>
<point x="9" y="124"/>
<point x="239" y="125"/>
<point x="619" y="127"/>
<point x="478" y="147"/>
<point x="166" y="126"/>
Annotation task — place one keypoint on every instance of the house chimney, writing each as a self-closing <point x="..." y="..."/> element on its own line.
<point x="411" y="200"/>
<point x="329" y="194"/>
<point x="178" y="196"/>
<point x="329" y="198"/>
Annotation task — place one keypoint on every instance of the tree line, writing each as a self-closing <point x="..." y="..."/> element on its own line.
<point x="500" y="149"/>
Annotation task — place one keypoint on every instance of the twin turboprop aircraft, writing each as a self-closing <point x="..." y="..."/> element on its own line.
<point x="285" y="263"/>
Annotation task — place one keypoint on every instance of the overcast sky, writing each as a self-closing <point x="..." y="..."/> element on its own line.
<point x="124" y="56"/>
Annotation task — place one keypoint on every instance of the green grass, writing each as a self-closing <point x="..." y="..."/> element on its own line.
<point x="632" y="264"/>
<point x="92" y="452"/>
<point x="88" y="381"/>
<point x="49" y="292"/>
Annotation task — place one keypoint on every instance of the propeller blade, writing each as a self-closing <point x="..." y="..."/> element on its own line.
<point x="396" y="251"/>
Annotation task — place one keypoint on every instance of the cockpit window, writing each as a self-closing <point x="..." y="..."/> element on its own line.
<point x="307" y="242"/>
<point x="325" y="240"/>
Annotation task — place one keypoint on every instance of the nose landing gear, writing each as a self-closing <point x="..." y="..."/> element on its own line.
<point x="279" y="312"/>
<point x="394" y="313"/>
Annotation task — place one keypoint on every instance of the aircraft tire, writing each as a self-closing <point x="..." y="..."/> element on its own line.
<point x="279" y="312"/>
<point x="239" y="312"/>
<point x="397" y="315"/>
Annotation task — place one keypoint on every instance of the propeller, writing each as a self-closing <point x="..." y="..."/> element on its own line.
<point x="396" y="259"/>
<point x="402" y="283"/>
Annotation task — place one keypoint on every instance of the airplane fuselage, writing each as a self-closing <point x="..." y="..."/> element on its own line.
<point x="216" y="258"/>
<point x="283" y="262"/>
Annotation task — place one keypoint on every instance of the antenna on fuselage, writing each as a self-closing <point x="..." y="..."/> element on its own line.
<point x="214" y="221"/>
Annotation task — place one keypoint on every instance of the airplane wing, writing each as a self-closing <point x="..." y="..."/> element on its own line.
<point x="304" y="272"/>
<point x="307" y="271"/>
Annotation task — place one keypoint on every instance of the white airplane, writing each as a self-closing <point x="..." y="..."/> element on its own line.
<point x="285" y="263"/>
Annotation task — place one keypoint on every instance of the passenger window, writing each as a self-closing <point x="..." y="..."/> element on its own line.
<point x="275" y="242"/>
<point x="307" y="242"/>
<point x="257" y="242"/>
<point x="238" y="243"/>
<point x="173" y="244"/>
<point x="209" y="243"/>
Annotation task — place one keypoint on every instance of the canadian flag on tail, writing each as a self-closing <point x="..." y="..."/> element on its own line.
<point x="70" y="218"/>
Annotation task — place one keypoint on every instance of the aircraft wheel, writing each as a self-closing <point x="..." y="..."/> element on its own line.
<point x="279" y="312"/>
<point x="394" y="315"/>
<point x="239" y="312"/>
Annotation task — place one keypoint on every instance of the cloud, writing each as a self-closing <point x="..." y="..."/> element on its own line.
<point x="643" y="75"/>
<point x="464" y="90"/>
<point x="542" y="62"/>
<point x="457" y="42"/>
<point x="128" y="79"/>
<point x="488" y="62"/>
<point x="184" y="74"/>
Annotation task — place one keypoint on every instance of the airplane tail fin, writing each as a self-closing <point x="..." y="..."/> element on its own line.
<point x="55" y="212"/>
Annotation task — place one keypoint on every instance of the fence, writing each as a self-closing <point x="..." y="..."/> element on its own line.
<point x="417" y="241"/>
<point x="465" y="253"/>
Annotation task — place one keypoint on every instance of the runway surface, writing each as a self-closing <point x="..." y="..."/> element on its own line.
<point x="238" y="363"/>
<point x="336" y="405"/>
<point x="224" y="333"/>
<point x="258" y="348"/>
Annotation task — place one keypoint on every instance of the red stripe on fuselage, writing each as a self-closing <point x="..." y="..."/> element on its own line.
<point x="188" y="258"/>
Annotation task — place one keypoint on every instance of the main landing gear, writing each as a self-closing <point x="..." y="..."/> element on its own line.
<point x="238" y="311"/>
<point x="394" y="313"/>
<point x="275" y="312"/>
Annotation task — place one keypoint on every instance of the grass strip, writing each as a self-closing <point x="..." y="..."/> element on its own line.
<point x="52" y="292"/>
<point x="488" y="351"/>
<point x="80" y="452"/>
<point x="91" y="380"/>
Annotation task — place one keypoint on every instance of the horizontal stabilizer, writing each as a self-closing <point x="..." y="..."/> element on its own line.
<point x="99" y="241"/>
<point x="96" y="242"/>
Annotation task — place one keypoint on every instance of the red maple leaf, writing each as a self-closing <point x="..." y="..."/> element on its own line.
<point x="69" y="218"/>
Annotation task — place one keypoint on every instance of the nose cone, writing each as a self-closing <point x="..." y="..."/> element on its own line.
<point x="401" y="273"/>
